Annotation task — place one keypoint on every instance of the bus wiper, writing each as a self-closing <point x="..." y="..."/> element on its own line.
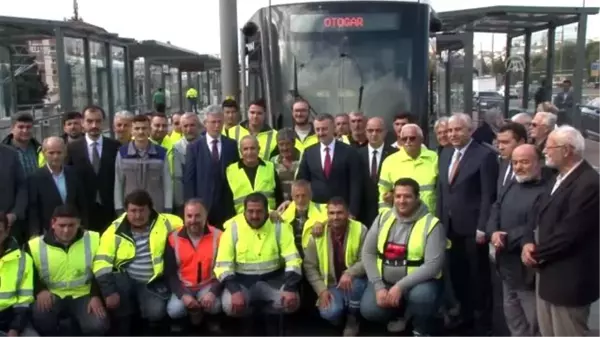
<point x="360" y="74"/>
<point x="295" y="93"/>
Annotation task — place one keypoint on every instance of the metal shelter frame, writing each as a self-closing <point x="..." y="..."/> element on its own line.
<point x="459" y="27"/>
<point x="164" y="54"/>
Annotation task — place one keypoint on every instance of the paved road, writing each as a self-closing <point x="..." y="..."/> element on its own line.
<point x="592" y="152"/>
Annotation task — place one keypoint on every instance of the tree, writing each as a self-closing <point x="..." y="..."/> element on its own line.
<point x="31" y="89"/>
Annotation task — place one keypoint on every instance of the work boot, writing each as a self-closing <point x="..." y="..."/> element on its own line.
<point x="397" y="325"/>
<point x="213" y="325"/>
<point x="352" y="326"/>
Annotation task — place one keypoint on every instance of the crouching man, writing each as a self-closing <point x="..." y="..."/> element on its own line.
<point x="16" y="288"/>
<point x="64" y="282"/>
<point x="403" y="255"/>
<point x="334" y="269"/>
<point x="189" y="263"/>
<point x="259" y="265"/>
<point x="129" y="265"/>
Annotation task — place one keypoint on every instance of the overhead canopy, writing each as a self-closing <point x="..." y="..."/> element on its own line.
<point x="166" y="53"/>
<point x="512" y="20"/>
<point x="13" y="29"/>
<point x="448" y="41"/>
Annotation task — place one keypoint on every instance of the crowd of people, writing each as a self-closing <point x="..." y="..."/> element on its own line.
<point x="176" y="223"/>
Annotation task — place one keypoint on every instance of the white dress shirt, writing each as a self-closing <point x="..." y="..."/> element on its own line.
<point x="209" y="142"/>
<point x="512" y="174"/>
<point x="462" y="152"/>
<point x="377" y="156"/>
<point x="90" y="147"/>
<point x="331" y="147"/>
<point x="560" y="178"/>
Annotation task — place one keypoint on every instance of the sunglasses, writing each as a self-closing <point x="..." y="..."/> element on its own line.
<point x="411" y="138"/>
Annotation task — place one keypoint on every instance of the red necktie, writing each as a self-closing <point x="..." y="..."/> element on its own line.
<point x="327" y="164"/>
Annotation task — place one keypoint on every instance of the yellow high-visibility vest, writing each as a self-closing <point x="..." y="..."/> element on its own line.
<point x="415" y="246"/>
<point x="316" y="213"/>
<point x="352" y="249"/>
<point x="267" y="140"/>
<point x="301" y="145"/>
<point x="240" y="185"/>
<point x="16" y="286"/>
<point x="117" y="248"/>
<point x="66" y="273"/>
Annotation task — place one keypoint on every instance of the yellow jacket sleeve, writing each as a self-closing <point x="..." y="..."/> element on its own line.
<point x="385" y="183"/>
<point x="25" y="288"/>
<point x="225" y="263"/>
<point x="289" y="252"/>
<point x="105" y="257"/>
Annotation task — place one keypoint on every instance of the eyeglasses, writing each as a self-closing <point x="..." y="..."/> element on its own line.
<point x="374" y="130"/>
<point x="411" y="138"/>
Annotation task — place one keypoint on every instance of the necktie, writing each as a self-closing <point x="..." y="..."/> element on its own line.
<point x="374" y="166"/>
<point x="95" y="157"/>
<point x="215" y="150"/>
<point x="327" y="164"/>
<point x="454" y="168"/>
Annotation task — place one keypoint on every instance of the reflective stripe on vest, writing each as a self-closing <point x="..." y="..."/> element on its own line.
<point x="78" y="282"/>
<point x="215" y="243"/>
<point x="241" y="186"/>
<point x="415" y="245"/>
<point x="351" y="249"/>
<point x="256" y="268"/>
<point x="237" y="133"/>
<point x="267" y="153"/>
<point x="16" y="292"/>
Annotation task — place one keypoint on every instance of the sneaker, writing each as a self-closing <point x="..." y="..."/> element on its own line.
<point x="352" y="326"/>
<point x="397" y="325"/>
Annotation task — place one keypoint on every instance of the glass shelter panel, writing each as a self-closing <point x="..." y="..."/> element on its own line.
<point x="74" y="57"/>
<point x="119" y="78"/>
<point x="99" y="74"/>
<point x="173" y="91"/>
<point x="139" y="88"/>
<point x="6" y="81"/>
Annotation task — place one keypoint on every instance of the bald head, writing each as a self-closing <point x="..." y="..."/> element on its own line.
<point x="526" y="163"/>
<point x="54" y="150"/>
<point x="375" y="129"/>
<point x="53" y="142"/>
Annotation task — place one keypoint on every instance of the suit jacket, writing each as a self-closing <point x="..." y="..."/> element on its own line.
<point x="44" y="197"/>
<point x="370" y="207"/>
<point x="206" y="180"/>
<point x="13" y="198"/>
<point x="344" y="178"/>
<point x="502" y="167"/>
<point x="102" y="183"/>
<point x="567" y="249"/>
<point x="464" y="205"/>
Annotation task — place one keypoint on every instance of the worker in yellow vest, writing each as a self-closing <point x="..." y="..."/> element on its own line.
<point x="176" y="133"/>
<point x="403" y="255"/>
<point x="252" y="174"/>
<point x="130" y="264"/>
<point x="305" y="133"/>
<point x="257" y="126"/>
<point x="259" y="265"/>
<point x="16" y="289"/>
<point x="159" y="128"/>
<point x="192" y="96"/>
<point x="63" y="259"/>
<point x="412" y="161"/>
<point x="302" y="213"/>
<point x="333" y="267"/>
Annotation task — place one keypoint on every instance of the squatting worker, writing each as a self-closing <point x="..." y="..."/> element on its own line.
<point x="16" y="289"/>
<point x="129" y="265"/>
<point x="65" y="285"/>
<point x="403" y="255"/>
<point x="189" y="263"/>
<point x="258" y="263"/>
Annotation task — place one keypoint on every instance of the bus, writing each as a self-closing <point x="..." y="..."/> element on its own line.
<point x="340" y="56"/>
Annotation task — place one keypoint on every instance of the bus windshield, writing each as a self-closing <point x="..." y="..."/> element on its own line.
<point x="351" y="71"/>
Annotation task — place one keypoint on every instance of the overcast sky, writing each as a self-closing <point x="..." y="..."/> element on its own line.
<point x="193" y="24"/>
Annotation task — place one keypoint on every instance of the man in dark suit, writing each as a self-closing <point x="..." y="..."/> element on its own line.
<point x="372" y="156"/>
<point x="468" y="173"/>
<point x="51" y="186"/>
<point x="510" y="135"/>
<point x="204" y="172"/>
<point x="332" y="167"/>
<point x="563" y="242"/>
<point x="13" y="199"/>
<point x="93" y="158"/>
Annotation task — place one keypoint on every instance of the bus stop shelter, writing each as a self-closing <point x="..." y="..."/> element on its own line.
<point x="185" y="69"/>
<point x="459" y="27"/>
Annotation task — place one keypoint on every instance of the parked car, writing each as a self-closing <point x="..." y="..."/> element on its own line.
<point x="486" y="100"/>
<point x="590" y="118"/>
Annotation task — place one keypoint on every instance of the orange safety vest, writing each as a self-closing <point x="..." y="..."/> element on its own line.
<point x="195" y="264"/>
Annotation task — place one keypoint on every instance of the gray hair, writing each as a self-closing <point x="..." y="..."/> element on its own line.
<point x="439" y="122"/>
<point x="492" y="116"/>
<point x="549" y="119"/>
<point x="52" y="139"/>
<point x="412" y="126"/>
<point x="462" y="118"/>
<point x="190" y="115"/>
<point x="124" y="114"/>
<point x="286" y="134"/>
<point x="251" y="137"/>
<point x="213" y="110"/>
<point x="521" y="116"/>
<point x="568" y="135"/>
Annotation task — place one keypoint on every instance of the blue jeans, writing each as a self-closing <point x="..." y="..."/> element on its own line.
<point x="341" y="301"/>
<point x="176" y="309"/>
<point x="421" y="301"/>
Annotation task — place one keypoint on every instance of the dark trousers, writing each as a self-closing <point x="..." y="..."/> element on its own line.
<point x="471" y="281"/>
<point x="160" y="107"/>
<point x="100" y="217"/>
<point x="48" y="323"/>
